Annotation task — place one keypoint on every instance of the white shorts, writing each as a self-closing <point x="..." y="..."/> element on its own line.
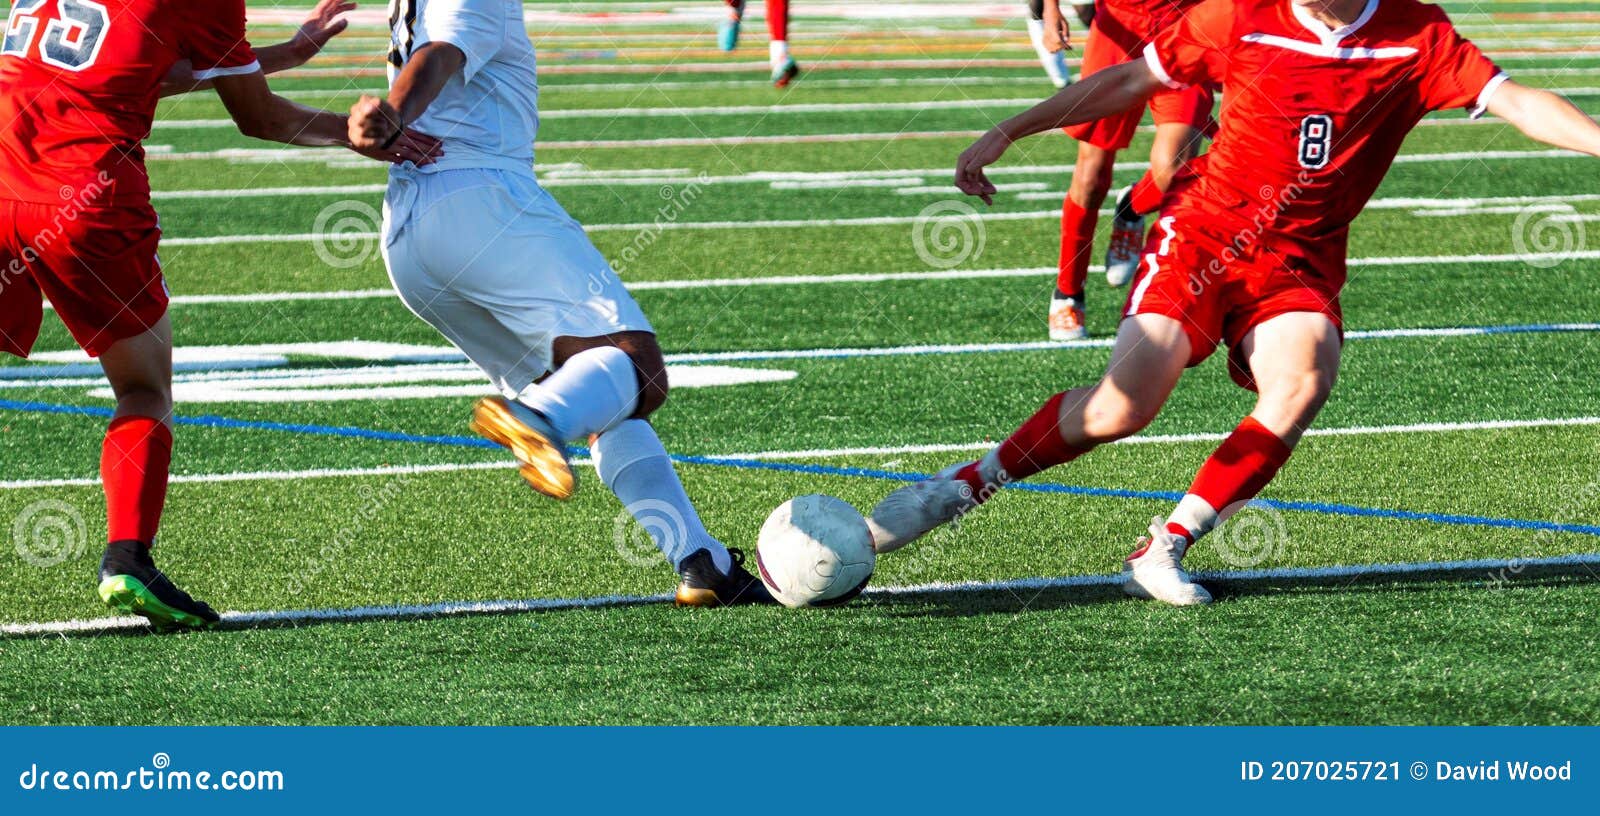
<point x="489" y="259"/>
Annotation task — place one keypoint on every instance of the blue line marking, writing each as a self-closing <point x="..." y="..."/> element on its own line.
<point x="1324" y="508"/>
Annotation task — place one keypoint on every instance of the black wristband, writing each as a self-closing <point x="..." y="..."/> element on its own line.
<point x="392" y="139"/>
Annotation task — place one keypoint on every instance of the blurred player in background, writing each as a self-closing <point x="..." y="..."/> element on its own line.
<point x="1120" y="31"/>
<point x="78" y="91"/>
<point x="1250" y="248"/>
<point x="481" y="252"/>
<point x="784" y="69"/>
<point x="1050" y="34"/>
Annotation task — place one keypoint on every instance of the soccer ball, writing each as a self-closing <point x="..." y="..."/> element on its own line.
<point x="815" y="550"/>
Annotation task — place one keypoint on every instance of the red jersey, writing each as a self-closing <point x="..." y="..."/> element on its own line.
<point x="79" y="81"/>
<point x="1312" y="118"/>
<point x="1140" y="18"/>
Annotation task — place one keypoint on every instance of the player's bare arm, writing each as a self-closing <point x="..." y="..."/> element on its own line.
<point x="1114" y="90"/>
<point x="375" y="122"/>
<point x="325" y="22"/>
<point x="261" y="114"/>
<point x="1545" y="116"/>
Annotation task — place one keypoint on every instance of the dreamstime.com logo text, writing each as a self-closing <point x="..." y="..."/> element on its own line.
<point x="159" y="777"/>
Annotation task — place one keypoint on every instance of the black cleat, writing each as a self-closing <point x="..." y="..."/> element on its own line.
<point x="130" y="582"/>
<point x="704" y="585"/>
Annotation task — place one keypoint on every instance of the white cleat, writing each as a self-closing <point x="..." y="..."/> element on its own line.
<point x="1155" y="570"/>
<point x="1127" y="240"/>
<point x="1067" y="319"/>
<point x="918" y="508"/>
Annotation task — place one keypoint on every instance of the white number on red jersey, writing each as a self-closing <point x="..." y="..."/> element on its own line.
<point x="1316" y="139"/>
<point x="71" y="41"/>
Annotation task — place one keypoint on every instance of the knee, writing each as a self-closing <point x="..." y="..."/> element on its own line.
<point x="1111" y="419"/>
<point x="1299" y="394"/>
<point x="653" y="386"/>
<point x="153" y="400"/>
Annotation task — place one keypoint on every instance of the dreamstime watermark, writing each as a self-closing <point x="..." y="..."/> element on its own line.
<point x="646" y="528"/>
<point x="157" y="776"/>
<point x="675" y="202"/>
<point x="1543" y="236"/>
<point x="1579" y="503"/>
<point x="1252" y="534"/>
<point x="346" y="233"/>
<point x="372" y="501"/>
<point x="1274" y="201"/>
<point x="49" y="532"/>
<point x="923" y="556"/>
<point x="74" y="200"/>
<point x="948" y="233"/>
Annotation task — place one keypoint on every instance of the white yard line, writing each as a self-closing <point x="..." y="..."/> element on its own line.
<point x="1488" y="569"/>
<point x="866" y="277"/>
<point x="817" y="453"/>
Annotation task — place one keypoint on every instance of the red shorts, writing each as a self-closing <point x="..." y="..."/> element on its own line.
<point x="1220" y="281"/>
<point x="1113" y="41"/>
<point x="97" y="266"/>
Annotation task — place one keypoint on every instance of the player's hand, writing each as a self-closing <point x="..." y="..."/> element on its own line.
<point x="410" y="146"/>
<point x="375" y="131"/>
<point x="970" y="178"/>
<point x="1057" y="33"/>
<point x="325" y="22"/>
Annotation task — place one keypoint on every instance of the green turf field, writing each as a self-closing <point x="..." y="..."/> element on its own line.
<point x="803" y="256"/>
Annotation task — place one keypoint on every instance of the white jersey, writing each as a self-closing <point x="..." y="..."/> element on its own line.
<point x="488" y="114"/>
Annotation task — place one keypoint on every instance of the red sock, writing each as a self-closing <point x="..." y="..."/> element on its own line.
<point x="1035" y="446"/>
<point x="1077" y="241"/>
<point x="778" y="19"/>
<point x="1236" y="472"/>
<point x="1146" y="196"/>
<point x="133" y="468"/>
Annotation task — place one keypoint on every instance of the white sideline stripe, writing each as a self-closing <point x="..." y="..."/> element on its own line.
<point x="820" y="453"/>
<point x="867" y="277"/>
<point x="1488" y="567"/>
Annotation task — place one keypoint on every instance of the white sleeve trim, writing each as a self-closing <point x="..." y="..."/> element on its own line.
<point x="1154" y="61"/>
<point x="1488" y="92"/>
<point x="238" y="70"/>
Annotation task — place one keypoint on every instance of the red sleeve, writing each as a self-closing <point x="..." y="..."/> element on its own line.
<point x="216" y="45"/>
<point x="1455" y="74"/>
<point x="1192" y="51"/>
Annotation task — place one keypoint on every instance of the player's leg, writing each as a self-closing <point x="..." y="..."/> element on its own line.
<point x="728" y="31"/>
<point x="1294" y="360"/>
<point x="134" y="462"/>
<point x="1175" y="143"/>
<point x="1054" y="62"/>
<point x="784" y="69"/>
<point x="1080" y="211"/>
<point x="1150" y="355"/>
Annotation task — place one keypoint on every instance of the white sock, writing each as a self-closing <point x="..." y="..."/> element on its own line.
<point x="778" y="51"/>
<point x="1054" y="62"/>
<point x="1195" y="515"/>
<point x="633" y="463"/>
<point x="595" y="390"/>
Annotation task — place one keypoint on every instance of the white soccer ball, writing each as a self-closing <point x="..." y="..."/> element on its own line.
<point x="815" y="550"/>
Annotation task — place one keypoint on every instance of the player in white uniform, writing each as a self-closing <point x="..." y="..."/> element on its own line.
<point x="478" y="250"/>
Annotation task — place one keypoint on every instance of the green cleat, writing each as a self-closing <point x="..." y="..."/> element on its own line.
<point x="131" y="583"/>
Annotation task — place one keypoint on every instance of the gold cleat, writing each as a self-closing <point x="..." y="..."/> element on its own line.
<point x="544" y="459"/>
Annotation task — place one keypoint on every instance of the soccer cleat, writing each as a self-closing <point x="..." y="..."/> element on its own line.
<point x="1127" y="239"/>
<point x="728" y="34"/>
<point x="1056" y="68"/>
<point x="1066" y="319"/>
<point x="130" y="582"/>
<point x="1155" y="570"/>
<point x="918" y="508"/>
<point x="530" y="438"/>
<point x="705" y="585"/>
<point x="784" y="74"/>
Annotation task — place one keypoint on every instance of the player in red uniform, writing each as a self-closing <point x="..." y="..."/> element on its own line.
<point x="79" y="80"/>
<point x="1250" y="248"/>
<point x="1120" y="31"/>
<point x="784" y="69"/>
